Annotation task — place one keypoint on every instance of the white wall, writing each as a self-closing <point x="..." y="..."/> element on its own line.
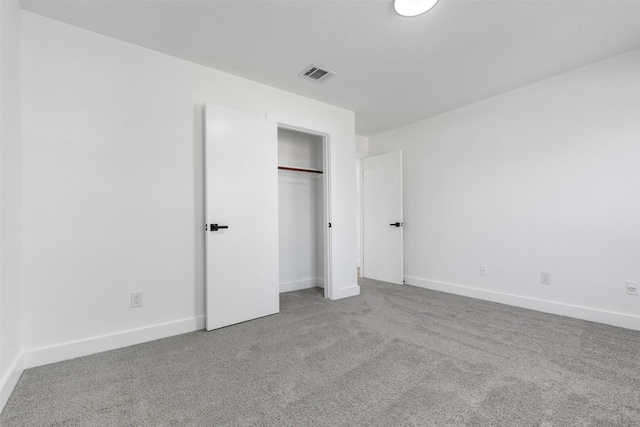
<point x="299" y="149"/>
<point x="362" y="146"/>
<point x="545" y="177"/>
<point x="300" y="211"/>
<point x="10" y="302"/>
<point x="113" y="187"/>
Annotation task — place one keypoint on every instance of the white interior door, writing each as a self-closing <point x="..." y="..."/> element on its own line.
<point x="382" y="217"/>
<point x="241" y="194"/>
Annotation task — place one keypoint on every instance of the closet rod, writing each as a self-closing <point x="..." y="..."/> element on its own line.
<point x="298" y="169"/>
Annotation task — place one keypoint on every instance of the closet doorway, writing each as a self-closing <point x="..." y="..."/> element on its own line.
<point x="304" y="223"/>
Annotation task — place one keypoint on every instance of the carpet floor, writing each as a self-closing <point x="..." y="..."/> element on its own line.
<point x="394" y="356"/>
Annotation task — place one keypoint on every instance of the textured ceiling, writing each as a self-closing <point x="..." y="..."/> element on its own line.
<point x="391" y="70"/>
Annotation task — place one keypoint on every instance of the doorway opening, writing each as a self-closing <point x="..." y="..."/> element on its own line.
<point x="303" y="210"/>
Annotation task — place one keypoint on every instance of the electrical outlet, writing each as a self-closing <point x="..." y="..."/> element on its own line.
<point x="545" y="278"/>
<point x="632" y="288"/>
<point x="484" y="270"/>
<point x="136" y="299"/>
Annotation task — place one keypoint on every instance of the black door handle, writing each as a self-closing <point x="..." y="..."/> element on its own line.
<point x="216" y="227"/>
<point x="396" y="224"/>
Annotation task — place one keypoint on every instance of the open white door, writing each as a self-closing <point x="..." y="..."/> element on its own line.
<point x="242" y="217"/>
<point x="382" y="217"/>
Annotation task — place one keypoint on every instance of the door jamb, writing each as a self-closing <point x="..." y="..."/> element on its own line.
<point x="360" y="201"/>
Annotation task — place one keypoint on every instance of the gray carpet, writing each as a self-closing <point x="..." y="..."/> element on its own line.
<point x="394" y="356"/>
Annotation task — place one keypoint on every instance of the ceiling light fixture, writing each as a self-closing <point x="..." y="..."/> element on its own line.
<point x="409" y="8"/>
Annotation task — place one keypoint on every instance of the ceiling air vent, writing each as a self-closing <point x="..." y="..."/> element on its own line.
<point x="317" y="74"/>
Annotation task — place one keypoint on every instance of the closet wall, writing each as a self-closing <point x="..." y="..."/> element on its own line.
<point x="300" y="200"/>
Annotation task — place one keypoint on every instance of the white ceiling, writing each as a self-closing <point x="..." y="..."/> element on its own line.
<point x="391" y="70"/>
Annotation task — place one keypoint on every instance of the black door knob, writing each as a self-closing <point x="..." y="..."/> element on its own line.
<point x="216" y="227"/>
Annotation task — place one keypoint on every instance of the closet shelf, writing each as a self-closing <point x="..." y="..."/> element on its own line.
<point x="291" y="168"/>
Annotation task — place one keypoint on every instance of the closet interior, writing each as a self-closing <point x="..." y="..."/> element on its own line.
<point x="301" y="210"/>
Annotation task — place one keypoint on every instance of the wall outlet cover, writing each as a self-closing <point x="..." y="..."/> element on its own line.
<point x="136" y="299"/>
<point x="545" y="278"/>
<point x="484" y="270"/>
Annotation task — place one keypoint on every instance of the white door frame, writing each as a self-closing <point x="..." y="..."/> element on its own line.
<point x="360" y="202"/>
<point x="311" y="129"/>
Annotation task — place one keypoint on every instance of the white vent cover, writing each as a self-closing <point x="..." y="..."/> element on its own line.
<point x="316" y="73"/>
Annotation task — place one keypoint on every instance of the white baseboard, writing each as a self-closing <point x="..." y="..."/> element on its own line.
<point x="9" y="381"/>
<point x="85" y="347"/>
<point x="350" y="291"/>
<point x="584" y="313"/>
<point x="298" y="285"/>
